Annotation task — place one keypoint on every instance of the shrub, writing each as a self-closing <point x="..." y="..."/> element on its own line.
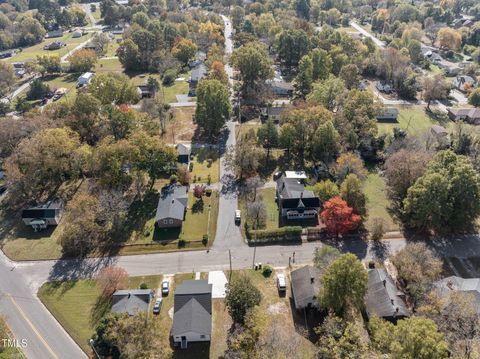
<point x="144" y="286"/>
<point x="190" y="167"/>
<point x="173" y="178"/>
<point x="267" y="271"/>
<point x="266" y="236"/>
<point x="205" y="239"/>
<point x="182" y="243"/>
<point x="208" y="192"/>
<point x="169" y="77"/>
<point x="209" y="162"/>
<point x="209" y="179"/>
<point x="378" y="228"/>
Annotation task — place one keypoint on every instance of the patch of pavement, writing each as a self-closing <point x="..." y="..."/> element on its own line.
<point x="219" y="282"/>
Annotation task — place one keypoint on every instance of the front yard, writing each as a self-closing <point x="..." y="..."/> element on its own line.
<point x="78" y="305"/>
<point x="268" y="198"/>
<point x="205" y="163"/>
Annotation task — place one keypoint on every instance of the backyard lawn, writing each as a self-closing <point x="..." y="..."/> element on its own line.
<point x="205" y="163"/>
<point x="78" y="305"/>
<point x="377" y="202"/>
<point x="31" y="53"/>
<point x="108" y="65"/>
<point x="412" y="118"/>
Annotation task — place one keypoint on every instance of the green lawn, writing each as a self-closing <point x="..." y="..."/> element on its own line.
<point x="377" y="202"/>
<point x="202" y="168"/>
<point x="412" y="118"/>
<point x="78" y="305"/>
<point x="31" y="53"/>
<point x="108" y="65"/>
<point x="113" y="46"/>
<point x="97" y="14"/>
<point x="178" y="88"/>
<point x="268" y="198"/>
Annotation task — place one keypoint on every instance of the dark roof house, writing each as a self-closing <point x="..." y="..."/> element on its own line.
<point x="131" y="301"/>
<point x="294" y="201"/>
<point x="171" y="206"/>
<point x="192" y="318"/>
<point x="44" y="215"/>
<point x="470" y="115"/>
<point x="273" y="112"/>
<point x="198" y="73"/>
<point x="383" y="299"/>
<point x="306" y="287"/>
<point x="184" y="152"/>
<point x="281" y="88"/>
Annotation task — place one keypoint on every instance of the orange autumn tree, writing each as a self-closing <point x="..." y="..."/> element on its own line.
<point x="339" y="217"/>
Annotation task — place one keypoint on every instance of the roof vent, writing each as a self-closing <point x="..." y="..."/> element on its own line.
<point x="384" y="282"/>
<point x="391" y="300"/>
<point x="173" y="200"/>
<point x="312" y="280"/>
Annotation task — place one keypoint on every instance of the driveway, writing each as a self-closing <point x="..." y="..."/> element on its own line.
<point x="219" y="282"/>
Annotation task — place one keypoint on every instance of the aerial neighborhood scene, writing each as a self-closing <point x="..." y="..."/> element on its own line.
<point x="240" y="179"/>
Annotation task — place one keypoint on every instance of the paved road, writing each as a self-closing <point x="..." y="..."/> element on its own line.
<point x="364" y="32"/>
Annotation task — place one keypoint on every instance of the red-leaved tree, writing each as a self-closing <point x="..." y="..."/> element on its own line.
<point x="111" y="279"/>
<point x="338" y="217"/>
<point x="198" y="191"/>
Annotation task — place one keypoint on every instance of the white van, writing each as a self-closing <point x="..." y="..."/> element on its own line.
<point x="281" y="282"/>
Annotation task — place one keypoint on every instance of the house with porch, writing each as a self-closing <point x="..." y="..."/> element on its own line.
<point x="41" y="216"/>
<point x="294" y="201"/>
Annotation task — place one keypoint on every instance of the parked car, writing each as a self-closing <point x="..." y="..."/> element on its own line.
<point x="281" y="283"/>
<point x="165" y="287"/>
<point x="157" y="306"/>
<point x="238" y="216"/>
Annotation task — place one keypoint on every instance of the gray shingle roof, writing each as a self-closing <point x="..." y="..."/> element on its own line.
<point x="304" y="289"/>
<point x="457" y="284"/>
<point x="131" y="301"/>
<point x="172" y="203"/>
<point x="193" y="308"/>
<point x="383" y="298"/>
<point x="293" y="194"/>
<point x="198" y="73"/>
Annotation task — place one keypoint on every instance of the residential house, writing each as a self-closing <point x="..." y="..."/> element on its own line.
<point x="54" y="45"/>
<point x="172" y="206"/>
<point x="439" y="131"/>
<point x="306" y="287"/>
<point x="383" y="87"/>
<point x="85" y="79"/>
<point x="90" y="46"/>
<point x="184" y="152"/>
<point x="273" y="112"/>
<point x="294" y="201"/>
<point x="389" y="114"/>
<point x="280" y="88"/>
<point x="453" y="284"/>
<point x="200" y="58"/>
<point x="41" y="216"/>
<point x="144" y="91"/>
<point x="55" y="33"/>
<point x="198" y="73"/>
<point x="464" y="83"/>
<point x="7" y="53"/>
<point x="470" y="115"/>
<point x="192" y="313"/>
<point x="77" y="34"/>
<point x="131" y="301"/>
<point x="383" y="299"/>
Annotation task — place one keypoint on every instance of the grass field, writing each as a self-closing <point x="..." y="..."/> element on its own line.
<point x="377" y="202"/>
<point x="412" y="118"/>
<point x="201" y="168"/>
<point x="108" y="65"/>
<point x="31" y="53"/>
<point x="78" y="305"/>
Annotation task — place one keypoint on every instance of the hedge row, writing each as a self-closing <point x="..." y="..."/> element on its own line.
<point x="266" y="236"/>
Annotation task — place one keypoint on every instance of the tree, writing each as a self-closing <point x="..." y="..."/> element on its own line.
<point x="199" y="191"/>
<point x="38" y="90"/>
<point x="449" y="38"/>
<point x="324" y="256"/>
<point x="417" y="267"/>
<point x="184" y="50"/>
<point x="326" y="190"/>
<point x="350" y="74"/>
<point x="129" y="56"/>
<point x="254" y="65"/>
<point x="7" y="78"/>
<point x="344" y="284"/>
<point x="338" y="217"/>
<point x="351" y="191"/>
<point x="256" y="214"/>
<point x="83" y="231"/>
<point x="244" y="158"/>
<point x="111" y="279"/>
<point x="349" y="163"/>
<point x="327" y="93"/>
<point x="434" y="88"/>
<point x="49" y="64"/>
<point x="415" y="51"/>
<point x="213" y="107"/>
<point x="412" y="338"/>
<point x="113" y="88"/>
<point x="322" y="64"/>
<point x="241" y="297"/>
<point x="304" y="78"/>
<point x="474" y="98"/>
<point x="325" y="143"/>
<point x="267" y="136"/>
<point x="292" y="45"/>
<point x="446" y="198"/>
<point x="217" y="72"/>
<point x="82" y="60"/>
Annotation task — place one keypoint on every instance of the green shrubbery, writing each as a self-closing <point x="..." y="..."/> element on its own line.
<point x="266" y="236"/>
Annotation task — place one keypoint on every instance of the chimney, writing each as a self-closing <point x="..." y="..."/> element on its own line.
<point x="384" y="282"/>
<point x="312" y="279"/>
<point x="173" y="201"/>
<point x="301" y="194"/>
<point x="391" y="300"/>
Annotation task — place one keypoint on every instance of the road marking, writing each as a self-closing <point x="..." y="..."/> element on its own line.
<point x="32" y="326"/>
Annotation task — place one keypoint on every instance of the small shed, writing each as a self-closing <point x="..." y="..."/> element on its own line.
<point x="184" y="152"/>
<point x="144" y="91"/>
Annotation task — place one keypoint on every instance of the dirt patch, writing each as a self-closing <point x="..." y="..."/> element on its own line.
<point x="277" y="308"/>
<point x="181" y="127"/>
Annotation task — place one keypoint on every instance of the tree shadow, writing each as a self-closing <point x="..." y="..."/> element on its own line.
<point x="198" y="206"/>
<point x="380" y="249"/>
<point x="305" y="321"/>
<point x="100" y="309"/>
<point x="79" y="268"/>
<point x="166" y="234"/>
<point x="200" y="350"/>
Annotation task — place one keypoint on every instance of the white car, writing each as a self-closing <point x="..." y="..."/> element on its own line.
<point x="238" y="216"/>
<point x="165" y="287"/>
<point x="281" y="282"/>
<point x="157" y="306"/>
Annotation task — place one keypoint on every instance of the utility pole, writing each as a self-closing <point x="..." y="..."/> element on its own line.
<point x="254" y="253"/>
<point x="91" y="342"/>
<point x="230" y="259"/>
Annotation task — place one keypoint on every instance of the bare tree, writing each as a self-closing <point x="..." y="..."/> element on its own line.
<point x="111" y="279"/>
<point x="434" y="88"/>
<point x="256" y="214"/>
<point x="252" y="185"/>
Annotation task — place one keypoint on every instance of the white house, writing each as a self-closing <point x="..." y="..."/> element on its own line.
<point x="85" y="79"/>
